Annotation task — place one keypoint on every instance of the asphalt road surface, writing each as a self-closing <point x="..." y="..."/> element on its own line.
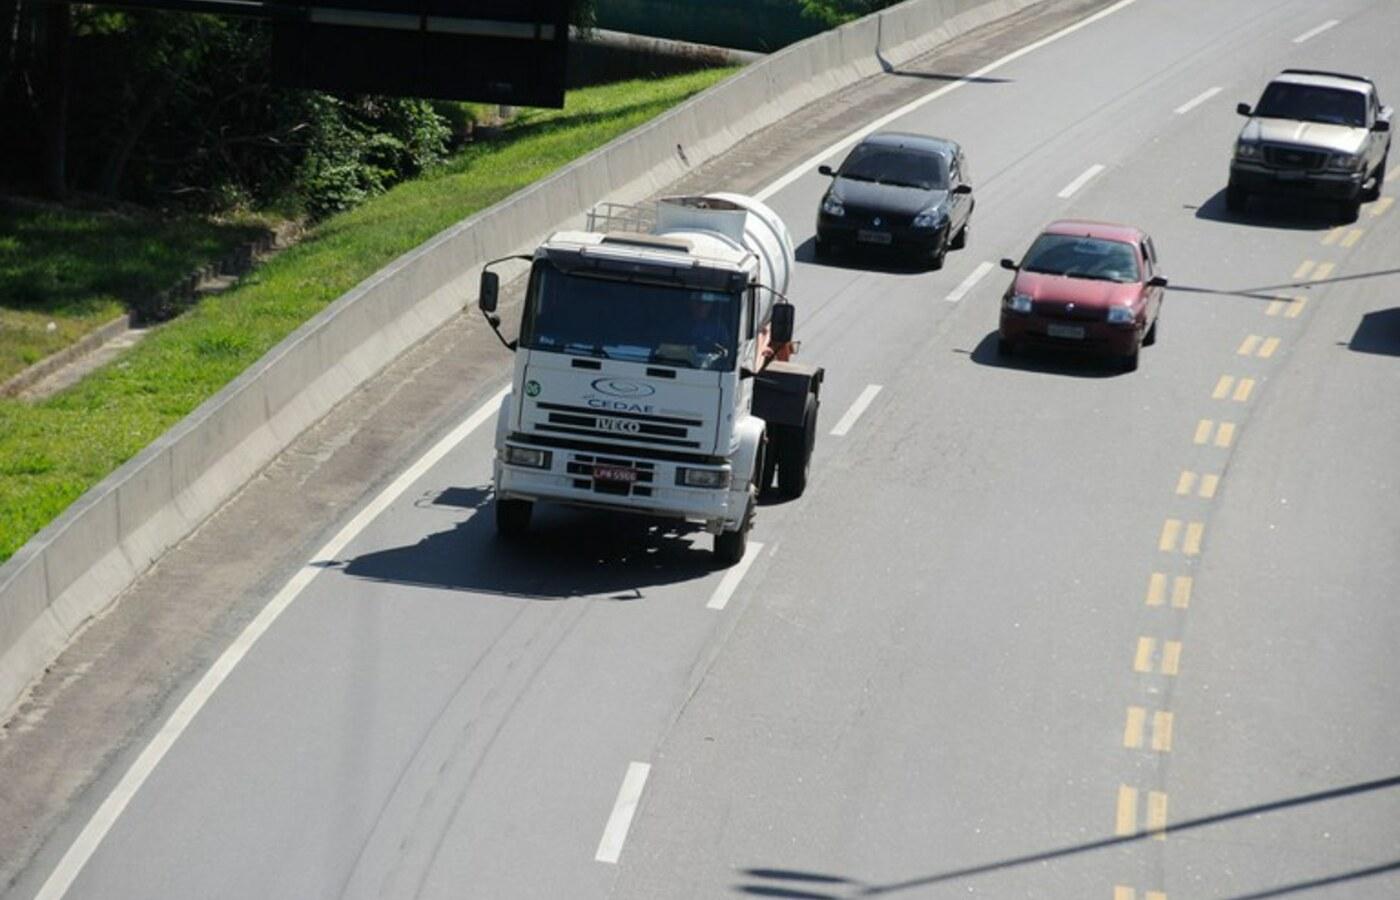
<point x="1038" y="628"/>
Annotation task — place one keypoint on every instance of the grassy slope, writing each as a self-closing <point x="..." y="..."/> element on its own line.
<point x="50" y="453"/>
<point x="78" y="270"/>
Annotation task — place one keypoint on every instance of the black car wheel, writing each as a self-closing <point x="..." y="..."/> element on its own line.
<point x="960" y="242"/>
<point x="940" y="251"/>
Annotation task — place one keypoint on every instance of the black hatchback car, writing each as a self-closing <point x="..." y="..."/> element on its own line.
<point x="906" y="192"/>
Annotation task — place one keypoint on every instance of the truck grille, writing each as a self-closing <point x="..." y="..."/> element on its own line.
<point x="580" y="467"/>
<point x="1286" y="157"/>
<point x="657" y="431"/>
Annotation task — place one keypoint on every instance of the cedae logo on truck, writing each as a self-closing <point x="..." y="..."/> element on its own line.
<point x="623" y="387"/>
<point x="622" y="426"/>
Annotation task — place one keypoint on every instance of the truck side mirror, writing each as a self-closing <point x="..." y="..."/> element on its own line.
<point x="490" y="288"/>
<point x="780" y="326"/>
<point x="1244" y="109"/>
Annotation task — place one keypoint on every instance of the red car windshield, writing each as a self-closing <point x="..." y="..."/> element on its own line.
<point x="1076" y="256"/>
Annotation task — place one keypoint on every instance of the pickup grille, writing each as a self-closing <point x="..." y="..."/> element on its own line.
<point x="657" y="431"/>
<point x="1287" y="157"/>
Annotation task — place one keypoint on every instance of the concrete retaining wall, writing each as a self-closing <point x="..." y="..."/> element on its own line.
<point x="75" y="567"/>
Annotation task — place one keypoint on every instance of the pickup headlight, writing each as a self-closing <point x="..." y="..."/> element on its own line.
<point x="832" y="206"/>
<point x="929" y="218"/>
<point x="1121" y="315"/>
<point x="717" y="479"/>
<point x="1345" y="161"/>
<point x="525" y="456"/>
<point x="1019" y="303"/>
<point x="1247" y="150"/>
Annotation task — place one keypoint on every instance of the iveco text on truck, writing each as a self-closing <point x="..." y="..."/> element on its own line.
<point x="651" y="371"/>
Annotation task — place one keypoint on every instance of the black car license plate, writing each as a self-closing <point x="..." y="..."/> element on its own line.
<point x="873" y="237"/>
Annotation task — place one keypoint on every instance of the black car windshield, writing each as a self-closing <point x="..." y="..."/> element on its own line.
<point x="896" y="166"/>
<point x="1305" y="102"/>
<point x="630" y="320"/>
<point x="1077" y="256"/>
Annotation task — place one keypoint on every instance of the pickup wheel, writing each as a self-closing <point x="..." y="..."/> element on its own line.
<point x="1350" y="210"/>
<point x="1377" y="181"/>
<point x="794" y="452"/>
<point x="1236" y="199"/>
<point x="513" y="517"/>
<point x="730" y="546"/>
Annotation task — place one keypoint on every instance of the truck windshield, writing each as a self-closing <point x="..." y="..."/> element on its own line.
<point x="630" y="320"/>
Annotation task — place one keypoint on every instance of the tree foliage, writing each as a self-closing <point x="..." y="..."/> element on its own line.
<point x="836" y="12"/>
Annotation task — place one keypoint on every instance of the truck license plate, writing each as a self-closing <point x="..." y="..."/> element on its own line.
<point x="873" y="237"/>
<point x="1073" y="332"/>
<point x="615" y="474"/>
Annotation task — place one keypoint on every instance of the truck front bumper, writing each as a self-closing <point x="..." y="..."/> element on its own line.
<point x="571" y="476"/>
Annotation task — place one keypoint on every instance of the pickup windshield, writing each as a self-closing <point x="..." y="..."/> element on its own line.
<point x="1082" y="257"/>
<point x="1306" y="103"/>
<point x="636" y="321"/>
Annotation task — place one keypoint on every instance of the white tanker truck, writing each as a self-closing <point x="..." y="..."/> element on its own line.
<point x="651" y="369"/>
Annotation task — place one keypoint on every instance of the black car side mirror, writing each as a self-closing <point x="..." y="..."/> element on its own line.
<point x="490" y="288"/>
<point x="826" y="170"/>
<point x="1157" y="281"/>
<point x="1009" y="265"/>
<point x="780" y="326"/>
<point x="963" y="189"/>
<point x="1244" y="109"/>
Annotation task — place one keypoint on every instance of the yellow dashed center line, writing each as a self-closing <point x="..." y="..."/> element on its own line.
<point x="1157" y="814"/>
<point x="1203" y="430"/>
<point x="1171" y="658"/>
<point x="1333" y="235"/>
<point x="1181" y="592"/>
<point x="1125" y="820"/>
<point x="1274" y="308"/>
<point x="1142" y="659"/>
<point x="1162" y="731"/>
<point x="1188" y="482"/>
<point x="1208" y="485"/>
<point x="1322" y="271"/>
<point x="1156" y="589"/>
<point x="1243" y="390"/>
<point x="1171" y="531"/>
<point x="1248" y="345"/>
<point x="1295" y="309"/>
<point x="1352" y="237"/>
<point x="1384" y="203"/>
<point x="1304" y="270"/>
<point x="1194" y="532"/>
<point x="1267" y="349"/>
<point x="1132" y="731"/>
<point x="1185" y="483"/>
<point x="1225" y="434"/>
<point x="1222" y="387"/>
<point x="1147" y="651"/>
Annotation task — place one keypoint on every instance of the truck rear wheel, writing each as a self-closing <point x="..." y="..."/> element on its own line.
<point x="513" y="517"/>
<point x="795" y="452"/>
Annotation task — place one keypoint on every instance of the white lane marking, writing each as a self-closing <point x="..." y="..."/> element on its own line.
<point x="1196" y="101"/>
<point x="1079" y="182"/>
<point x="62" y="877"/>
<point x="811" y="162"/>
<point x="848" y="421"/>
<point x="969" y="282"/>
<point x="1309" y="35"/>
<point x="730" y="583"/>
<point x="628" y="796"/>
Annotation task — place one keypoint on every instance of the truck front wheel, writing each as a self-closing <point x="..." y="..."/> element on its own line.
<point x="730" y="546"/>
<point x="513" y="517"/>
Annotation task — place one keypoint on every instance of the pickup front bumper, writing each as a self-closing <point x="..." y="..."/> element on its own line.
<point x="1259" y="179"/>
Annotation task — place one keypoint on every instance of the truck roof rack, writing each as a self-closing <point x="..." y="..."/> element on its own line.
<point x="1328" y="75"/>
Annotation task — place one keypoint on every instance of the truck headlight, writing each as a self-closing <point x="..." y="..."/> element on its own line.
<point x="832" y="206"/>
<point x="1247" y="150"/>
<point x="1121" y="315"/>
<point x="929" y="218"/>
<point x="526" y="456"/>
<point x="1345" y="161"/>
<point x="1018" y="303"/>
<point x="717" y="479"/>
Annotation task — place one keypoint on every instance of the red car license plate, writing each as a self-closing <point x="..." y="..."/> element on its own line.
<point x="616" y="474"/>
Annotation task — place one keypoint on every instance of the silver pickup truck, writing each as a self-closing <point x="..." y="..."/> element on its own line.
<point x="1313" y="134"/>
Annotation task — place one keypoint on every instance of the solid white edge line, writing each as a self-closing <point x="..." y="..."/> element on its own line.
<point x="730" y="583"/>
<point x="102" y="821"/>
<point x="73" y="861"/>
<point x="969" y="282"/>
<point x="628" y="796"/>
<point x="813" y="161"/>
<point x="848" y="421"/>
<point x="1309" y="35"/>
<point x="1197" y="100"/>
<point x="1073" y="187"/>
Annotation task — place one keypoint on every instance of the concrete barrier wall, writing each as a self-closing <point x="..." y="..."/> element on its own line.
<point x="77" y="565"/>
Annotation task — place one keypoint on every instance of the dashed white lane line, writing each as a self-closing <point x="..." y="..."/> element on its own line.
<point x="1076" y="184"/>
<point x="63" y="876"/>
<point x="1196" y="101"/>
<point x="730" y="583"/>
<point x="1309" y="35"/>
<point x="810" y="164"/>
<point x="628" y="796"/>
<point x="848" y="421"/>
<point x="969" y="282"/>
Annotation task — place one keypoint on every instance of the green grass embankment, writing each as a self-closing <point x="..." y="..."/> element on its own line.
<point x="53" y="451"/>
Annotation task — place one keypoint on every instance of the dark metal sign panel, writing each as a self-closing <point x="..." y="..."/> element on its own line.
<point x="493" y="51"/>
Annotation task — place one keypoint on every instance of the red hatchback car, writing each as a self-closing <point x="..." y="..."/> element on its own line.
<point x="1087" y="285"/>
